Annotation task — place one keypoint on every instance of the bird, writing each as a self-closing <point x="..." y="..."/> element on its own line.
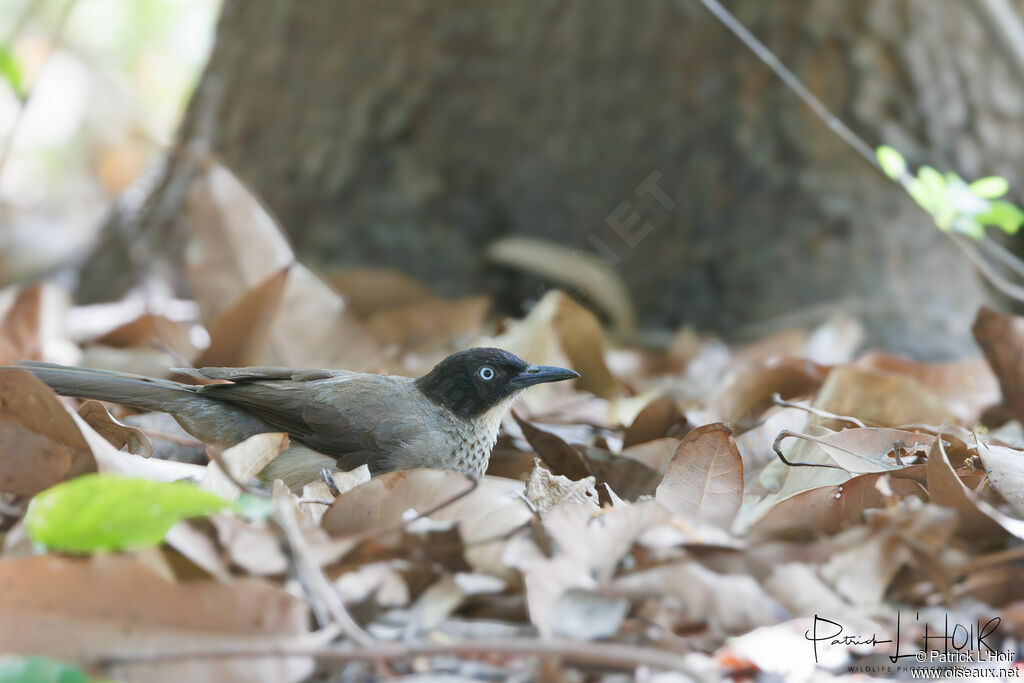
<point x="336" y="419"/>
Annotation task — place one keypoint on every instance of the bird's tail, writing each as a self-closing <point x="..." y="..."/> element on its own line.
<point x="145" y="393"/>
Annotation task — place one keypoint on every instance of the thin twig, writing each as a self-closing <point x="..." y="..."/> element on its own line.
<point x="608" y="655"/>
<point x="1004" y="256"/>
<point x="1008" y="288"/>
<point x="324" y="600"/>
<point x="784" y="434"/>
<point x="790" y="79"/>
<point x="779" y="401"/>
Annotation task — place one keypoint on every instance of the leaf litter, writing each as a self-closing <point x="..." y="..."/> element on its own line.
<point x="641" y="521"/>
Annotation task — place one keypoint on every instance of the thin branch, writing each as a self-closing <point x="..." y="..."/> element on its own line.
<point x="785" y="434"/>
<point x="1015" y="292"/>
<point x="322" y="597"/>
<point x="1004" y="256"/>
<point x="608" y="655"/>
<point x="790" y="79"/>
<point x="779" y="401"/>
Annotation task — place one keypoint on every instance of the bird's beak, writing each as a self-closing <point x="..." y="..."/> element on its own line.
<point x="537" y="374"/>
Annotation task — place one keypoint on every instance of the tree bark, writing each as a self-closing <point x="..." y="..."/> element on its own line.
<point x="413" y="134"/>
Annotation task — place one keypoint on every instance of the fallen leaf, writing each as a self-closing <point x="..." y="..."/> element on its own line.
<point x="748" y="392"/>
<point x="577" y="269"/>
<point x="148" y="330"/>
<point x="869" y="449"/>
<point x="76" y="610"/>
<point x="704" y="480"/>
<point x="434" y="325"/>
<point x="966" y="386"/>
<point x="20" y="337"/>
<point x="725" y="604"/>
<point x="484" y="517"/>
<point x="39" y="442"/>
<point x="1001" y="337"/>
<point x="586" y="615"/>
<point x="880" y="399"/>
<point x="546" y="490"/>
<point x="1005" y="468"/>
<point x="831" y="509"/>
<point x="559" y="331"/>
<point x="119" y="435"/>
<point x="945" y="488"/>
<point x="238" y="332"/>
<point x="245" y="460"/>
<point x="372" y="290"/>
<point x="312" y="327"/>
<point x="659" y="419"/>
<point x="234" y="245"/>
<point x="655" y="454"/>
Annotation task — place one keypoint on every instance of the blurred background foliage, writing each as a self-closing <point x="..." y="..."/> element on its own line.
<point x="105" y="83"/>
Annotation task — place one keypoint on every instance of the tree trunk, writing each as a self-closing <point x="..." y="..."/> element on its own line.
<point x="413" y="134"/>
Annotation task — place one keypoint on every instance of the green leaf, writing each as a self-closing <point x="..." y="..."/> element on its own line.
<point x="106" y="512"/>
<point x="1003" y="215"/>
<point x="920" y="194"/>
<point x="991" y="187"/>
<point x="10" y="71"/>
<point x="891" y="161"/>
<point x="14" y="669"/>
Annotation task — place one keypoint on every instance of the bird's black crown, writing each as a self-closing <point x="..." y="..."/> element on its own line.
<point x="471" y="382"/>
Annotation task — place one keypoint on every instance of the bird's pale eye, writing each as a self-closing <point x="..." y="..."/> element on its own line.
<point x="486" y="373"/>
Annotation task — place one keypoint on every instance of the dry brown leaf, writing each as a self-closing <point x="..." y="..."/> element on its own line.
<point x="245" y="460"/>
<point x="546" y="490"/>
<point x="253" y="548"/>
<point x="628" y="477"/>
<point x="1005" y="468"/>
<point x="656" y="454"/>
<point x="1001" y="337"/>
<point x="39" y="443"/>
<point x="119" y="435"/>
<point x="945" y="488"/>
<point x="581" y="271"/>
<point x="109" y="459"/>
<point x="485" y="516"/>
<point x="80" y="610"/>
<point x="880" y="399"/>
<point x="659" y="419"/>
<point x="967" y="386"/>
<point x="704" y="480"/>
<point x="372" y="290"/>
<point x="559" y="331"/>
<point x="862" y="450"/>
<point x="433" y="325"/>
<point x="747" y="394"/>
<point x="151" y="330"/>
<point x="560" y="457"/>
<point x="20" y="327"/>
<point x="234" y="244"/>
<point x="312" y="327"/>
<point x="238" y="333"/>
<point x="831" y="509"/>
<point x="725" y="604"/>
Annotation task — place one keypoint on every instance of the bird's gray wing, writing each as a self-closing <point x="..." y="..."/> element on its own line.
<point x="332" y="411"/>
<point x="260" y="373"/>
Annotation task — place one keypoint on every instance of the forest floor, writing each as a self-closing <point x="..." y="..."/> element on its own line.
<point x="799" y="507"/>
